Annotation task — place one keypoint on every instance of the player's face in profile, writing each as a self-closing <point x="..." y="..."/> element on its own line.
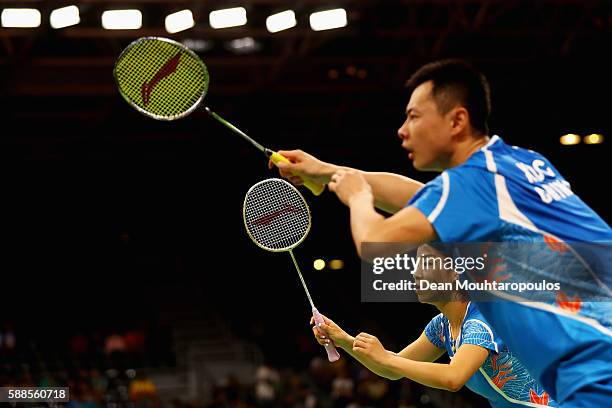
<point x="431" y="269"/>
<point x="426" y="133"/>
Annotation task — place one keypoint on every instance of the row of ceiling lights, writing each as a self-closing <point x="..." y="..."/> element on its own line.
<point x="224" y="18"/>
<point x="131" y="19"/>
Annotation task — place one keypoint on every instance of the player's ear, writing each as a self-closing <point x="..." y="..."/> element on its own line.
<point x="460" y="119"/>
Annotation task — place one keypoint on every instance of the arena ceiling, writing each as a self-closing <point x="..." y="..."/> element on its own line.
<point x="386" y="39"/>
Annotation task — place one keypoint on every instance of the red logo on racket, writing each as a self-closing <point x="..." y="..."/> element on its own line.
<point x="267" y="219"/>
<point x="168" y="68"/>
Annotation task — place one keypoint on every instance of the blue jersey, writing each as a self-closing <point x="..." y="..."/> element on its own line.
<point x="507" y="194"/>
<point x="502" y="379"/>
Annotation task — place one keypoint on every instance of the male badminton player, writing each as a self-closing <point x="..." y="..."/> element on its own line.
<point x="488" y="191"/>
<point x="479" y="358"/>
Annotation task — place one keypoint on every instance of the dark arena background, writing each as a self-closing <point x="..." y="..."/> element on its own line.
<point x="127" y="274"/>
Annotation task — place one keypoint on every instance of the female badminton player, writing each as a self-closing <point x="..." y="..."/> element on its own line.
<point x="479" y="358"/>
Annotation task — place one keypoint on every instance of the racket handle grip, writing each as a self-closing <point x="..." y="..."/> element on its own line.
<point x="332" y="353"/>
<point x="315" y="188"/>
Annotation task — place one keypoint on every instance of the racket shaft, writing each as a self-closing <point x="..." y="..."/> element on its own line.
<point x="297" y="268"/>
<point x="235" y="130"/>
<point x="315" y="188"/>
<point x="332" y="353"/>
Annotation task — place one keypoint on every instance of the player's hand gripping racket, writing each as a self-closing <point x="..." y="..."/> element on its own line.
<point x="165" y="80"/>
<point x="277" y="219"/>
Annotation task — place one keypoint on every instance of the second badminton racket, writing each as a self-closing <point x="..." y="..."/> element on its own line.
<point x="277" y="219"/>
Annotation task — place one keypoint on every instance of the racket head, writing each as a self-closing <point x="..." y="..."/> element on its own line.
<point x="276" y="216"/>
<point x="161" y="78"/>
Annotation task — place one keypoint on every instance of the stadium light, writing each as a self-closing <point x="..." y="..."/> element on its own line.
<point x="328" y="19"/>
<point x="179" y="21"/>
<point x="231" y="17"/>
<point x="593" y="139"/>
<point x="65" y="17"/>
<point x="130" y="19"/>
<point x="336" y="264"/>
<point x="570" y="139"/>
<point x="281" y="21"/>
<point x="198" y="45"/>
<point x="20" y="18"/>
<point x="243" y="45"/>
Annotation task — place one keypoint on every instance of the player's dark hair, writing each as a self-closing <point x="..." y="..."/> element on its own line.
<point x="455" y="82"/>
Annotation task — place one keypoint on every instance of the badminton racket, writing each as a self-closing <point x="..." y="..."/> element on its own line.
<point x="165" y="80"/>
<point x="277" y="219"/>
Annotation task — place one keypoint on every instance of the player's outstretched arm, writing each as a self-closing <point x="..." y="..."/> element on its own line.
<point x="421" y="350"/>
<point x="449" y="377"/>
<point x="391" y="191"/>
